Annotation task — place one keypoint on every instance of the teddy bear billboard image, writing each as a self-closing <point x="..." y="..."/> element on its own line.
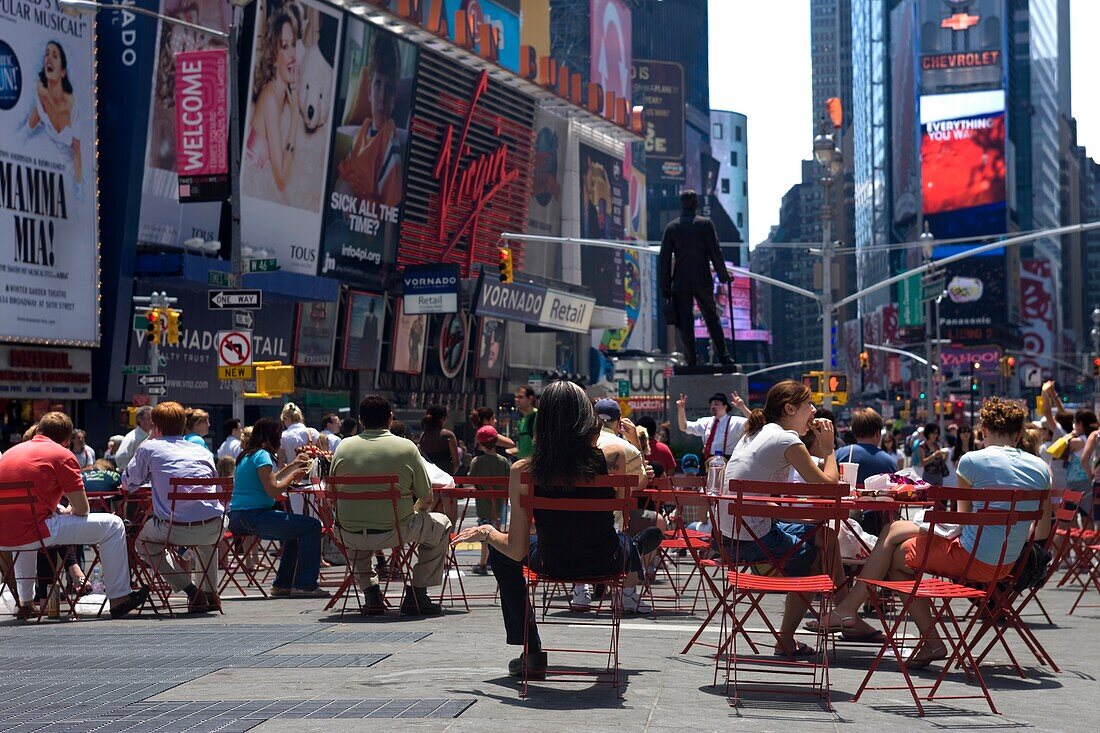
<point x="287" y="129"/>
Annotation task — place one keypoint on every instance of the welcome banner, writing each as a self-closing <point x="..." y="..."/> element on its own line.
<point x="202" y="125"/>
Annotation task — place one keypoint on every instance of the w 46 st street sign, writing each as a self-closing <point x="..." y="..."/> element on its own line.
<point x="228" y="299"/>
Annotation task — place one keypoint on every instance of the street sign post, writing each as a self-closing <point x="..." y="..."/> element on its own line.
<point x="242" y="299"/>
<point x="149" y="380"/>
<point x="218" y="279"/>
<point x="624" y="387"/>
<point x="242" y="319"/>
<point x="267" y="265"/>
<point x="129" y="369"/>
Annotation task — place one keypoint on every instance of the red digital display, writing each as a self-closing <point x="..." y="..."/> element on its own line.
<point x="963" y="162"/>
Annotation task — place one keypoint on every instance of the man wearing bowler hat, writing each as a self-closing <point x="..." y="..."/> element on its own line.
<point x="721" y="430"/>
<point x="688" y="249"/>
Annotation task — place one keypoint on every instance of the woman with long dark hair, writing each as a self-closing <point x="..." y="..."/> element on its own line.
<point x="256" y="486"/>
<point x="573" y="545"/>
<point x="438" y="444"/>
<point x="931" y="457"/>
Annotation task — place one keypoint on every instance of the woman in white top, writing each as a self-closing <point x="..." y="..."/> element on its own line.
<point x="772" y="445"/>
<point x="295" y="435"/>
<point x="85" y="454"/>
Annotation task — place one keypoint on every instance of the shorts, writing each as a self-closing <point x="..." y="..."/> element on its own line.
<point x="486" y="508"/>
<point x="779" y="541"/>
<point x="949" y="558"/>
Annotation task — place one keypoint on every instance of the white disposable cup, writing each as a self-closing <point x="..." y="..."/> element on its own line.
<point x="848" y="473"/>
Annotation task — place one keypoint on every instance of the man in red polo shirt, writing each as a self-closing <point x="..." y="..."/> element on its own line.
<point x="50" y="466"/>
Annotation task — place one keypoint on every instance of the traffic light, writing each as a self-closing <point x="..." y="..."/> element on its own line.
<point x="838" y="388"/>
<point x="1010" y="366"/>
<point x="1096" y="366"/>
<point x="152" y="318"/>
<point x="505" y="265"/>
<point x="173" y="326"/>
<point x="864" y="360"/>
<point x="973" y="384"/>
<point x="923" y="394"/>
<point x="158" y="325"/>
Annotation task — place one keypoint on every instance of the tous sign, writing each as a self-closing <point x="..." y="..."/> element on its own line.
<point x="474" y="184"/>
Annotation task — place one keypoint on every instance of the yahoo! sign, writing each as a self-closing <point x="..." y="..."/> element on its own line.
<point x="955" y="359"/>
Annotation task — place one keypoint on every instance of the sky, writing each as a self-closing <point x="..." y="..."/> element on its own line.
<point x="762" y="70"/>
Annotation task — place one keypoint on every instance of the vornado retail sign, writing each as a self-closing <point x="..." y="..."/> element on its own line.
<point x="534" y="305"/>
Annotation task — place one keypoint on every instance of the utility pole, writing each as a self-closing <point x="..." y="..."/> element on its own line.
<point x="829" y="156"/>
<point x="161" y="302"/>
<point x="236" y="257"/>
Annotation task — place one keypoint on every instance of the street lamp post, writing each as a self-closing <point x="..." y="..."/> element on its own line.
<point x="830" y="158"/>
<point x="89" y="7"/>
<point x="927" y="240"/>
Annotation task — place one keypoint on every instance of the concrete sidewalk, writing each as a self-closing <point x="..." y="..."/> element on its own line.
<point x="284" y="665"/>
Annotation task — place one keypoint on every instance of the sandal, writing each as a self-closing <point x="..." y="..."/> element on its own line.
<point x="846" y="622"/>
<point x="925" y="655"/>
<point x="801" y="649"/>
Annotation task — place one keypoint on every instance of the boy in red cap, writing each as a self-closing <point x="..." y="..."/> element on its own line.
<point x="488" y="463"/>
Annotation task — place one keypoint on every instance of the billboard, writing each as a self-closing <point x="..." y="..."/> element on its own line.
<point x="410" y="335"/>
<point x="733" y="300"/>
<point x="288" y="126"/>
<point x="963" y="163"/>
<point x="977" y="296"/>
<point x="603" y="192"/>
<point x="1037" y="314"/>
<point x="314" y="334"/>
<point x="962" y="45"/>
<point x="659" y="87"/>
<point x="191" y="367"/>
<point x="49" y="259"/>
<point x="162" y="219"/>
<point x="544" y="211"/>
<point x="904" y="136"/>
<point x="366" y="181"/>
<point x="610" y="35"/>
<point x="363" y="330"/>
<point x="490" y="348"/>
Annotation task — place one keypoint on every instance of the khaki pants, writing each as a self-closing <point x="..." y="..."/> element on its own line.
<point x="430" y="530"/>
<point x="201" y="539"/>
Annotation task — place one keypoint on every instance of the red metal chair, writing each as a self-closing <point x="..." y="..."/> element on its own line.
<point x="750" y="581"/>
<point x="20" y="494"/>
<point x="466" y="490"/>
<point x="1008" y="604"/>
<point x="678" y="540"/>
<point x="402" y="554"/>
<point x="940" y="592"/>
<point x="622" y="484"/>
<point x="177" y="497"/>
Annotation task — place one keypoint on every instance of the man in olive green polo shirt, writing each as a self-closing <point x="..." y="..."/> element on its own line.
<point x="366" y="526"/>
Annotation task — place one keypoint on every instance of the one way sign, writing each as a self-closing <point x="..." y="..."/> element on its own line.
<point x="245" y="299"/>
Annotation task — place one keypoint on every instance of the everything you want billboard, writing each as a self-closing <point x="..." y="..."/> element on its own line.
<point x="49" y="269"/>
<point x="963" y="163"/>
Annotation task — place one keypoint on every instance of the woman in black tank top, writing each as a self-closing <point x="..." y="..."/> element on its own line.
<point x="569" y="545"/>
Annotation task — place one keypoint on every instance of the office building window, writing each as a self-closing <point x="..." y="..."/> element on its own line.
<point x="737" y="133"/>
<point x="740" y="220"/>
<point x="725" y="185"/>
<point x="733" y="158"/>
<point x="716" y="131"/>
<point x="744" y="188"/>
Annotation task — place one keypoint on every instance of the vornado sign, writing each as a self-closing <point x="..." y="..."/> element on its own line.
<point x="534" y="305"/>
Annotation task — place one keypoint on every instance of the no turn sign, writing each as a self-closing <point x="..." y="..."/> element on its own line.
<point x="234" y="354"/>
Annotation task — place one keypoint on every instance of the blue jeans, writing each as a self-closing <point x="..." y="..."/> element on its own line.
<point x="301" y="536"/>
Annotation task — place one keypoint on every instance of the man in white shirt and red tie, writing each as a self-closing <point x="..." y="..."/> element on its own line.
<point x="721" y="430"/>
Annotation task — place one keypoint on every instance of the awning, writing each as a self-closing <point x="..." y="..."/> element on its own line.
<point x="604" y="317"/>
<point x="197" y="269"/>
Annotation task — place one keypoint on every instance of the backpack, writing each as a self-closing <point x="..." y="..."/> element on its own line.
<point x="1033" y="566"/>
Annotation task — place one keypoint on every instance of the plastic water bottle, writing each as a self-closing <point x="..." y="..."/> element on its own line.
<point x="97" y="580"/>
<point x="716" y="473"/>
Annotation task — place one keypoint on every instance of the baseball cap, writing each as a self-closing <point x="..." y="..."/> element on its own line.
<point x="486" y="434"/>
<point x="608" y="409"/>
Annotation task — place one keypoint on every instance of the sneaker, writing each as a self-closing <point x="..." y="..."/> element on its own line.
<point x="582" y="598"/>
<point x="317" y="592"/>
<point x="633" y="602"/>
<point x="373" y="602"/>
<point x="535" y="663"/>
<point x="136" y="599"/>
<point x="479" y="569"/>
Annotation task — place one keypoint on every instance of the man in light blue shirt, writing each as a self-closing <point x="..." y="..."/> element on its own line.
<point x="197" y="524"/>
